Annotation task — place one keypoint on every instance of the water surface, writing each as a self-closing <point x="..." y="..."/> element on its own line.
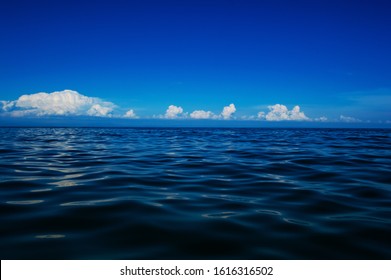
<point x="189" y="193"/>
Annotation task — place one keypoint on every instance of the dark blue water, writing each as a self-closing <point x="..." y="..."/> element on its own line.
<point x="90" y="193"/>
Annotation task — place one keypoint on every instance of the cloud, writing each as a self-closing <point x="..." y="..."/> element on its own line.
<point x="261" y="115"/>
<point x="201" y="114"/>
<point x="131" y="115"/>
<point x="99" y="111"/>
<point x="7" y="106"/>
<point x="58" y="103"/>
<point x="228" y="111"/>
<point x="348" y="119"/>
<point x="173" y="112"/>
<point x="279" y="112"/>
<point x="321" y="119"/>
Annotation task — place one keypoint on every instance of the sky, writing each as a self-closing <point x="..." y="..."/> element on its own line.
<point x="263" y="61"/>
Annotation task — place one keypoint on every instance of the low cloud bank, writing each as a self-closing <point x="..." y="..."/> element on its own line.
<point x="72" y="103"/>
<point x="176" y="112"/>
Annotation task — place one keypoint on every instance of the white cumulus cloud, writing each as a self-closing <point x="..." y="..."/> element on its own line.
<point x="130" y="114"/>
<point x="201" y="114"/>
<point x="228" y="111"/>
<point x="99" y="111"/>
<point x="279" y="112"/>
<point x="173" y="112"/>
<point x="58" y="103"/>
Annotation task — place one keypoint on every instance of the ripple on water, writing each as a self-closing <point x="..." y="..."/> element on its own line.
<point x="361" y="218"/>
<point x="195" y="193"/>
<point x="297" y="222"/>
<point x="269" y="212"/>
<point x="50" y="236"/>
<point x="25" y="202"/>
<point x="41" y="190"/>
<point x="221" y="215"/>
<point x="90" y="202"/>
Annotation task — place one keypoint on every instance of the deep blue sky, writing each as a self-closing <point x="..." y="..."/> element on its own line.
<point x="331" y="58"/>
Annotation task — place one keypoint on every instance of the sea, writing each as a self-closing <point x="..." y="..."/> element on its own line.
<point x="195" y="193"/>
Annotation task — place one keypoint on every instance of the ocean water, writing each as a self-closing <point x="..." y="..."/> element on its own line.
<point x="195" y="193"/>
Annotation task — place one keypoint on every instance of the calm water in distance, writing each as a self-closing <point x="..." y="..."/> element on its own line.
<point x="195" y="193"/>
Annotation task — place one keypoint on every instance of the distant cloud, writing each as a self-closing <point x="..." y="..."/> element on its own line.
<point x="72" y="103"/>
<point x="7" y="106"/>
<point x="173" y="112"/>
<point x="279" y="112"/>
<point x="131" y="115"/>
<point x="99" y="111"/>
<point x="321" y="119"/>
<point x="348" y="119"/>
<point x="261" y="115"/>
<point x="177" y="112"/>
<point x="201" y="114"/>
<point x="58" y="103"/>
<point x="228" y="111"/>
